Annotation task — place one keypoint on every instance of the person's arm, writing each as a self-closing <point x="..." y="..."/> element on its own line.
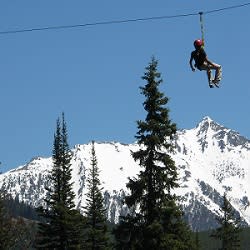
<point x="191" y="63"/>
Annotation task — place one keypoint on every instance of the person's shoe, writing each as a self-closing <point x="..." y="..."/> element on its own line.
<point x="210" y="84"/>
<point x="216" y="81"/>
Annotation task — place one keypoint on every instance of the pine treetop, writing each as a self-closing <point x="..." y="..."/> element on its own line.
<point x="157" y="220"/>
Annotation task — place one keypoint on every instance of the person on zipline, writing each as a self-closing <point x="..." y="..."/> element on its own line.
<point x="202" y="63"/>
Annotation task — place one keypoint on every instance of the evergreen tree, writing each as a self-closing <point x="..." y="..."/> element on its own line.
<point x="5" y="225"/>
<point x="12" y="230"/>
<point x="229" y="229"/>
<point x="61" y="227"/>
<point x="158" y="224"/>
<point x="197" y="240"/>
<point x="96" y="227"/>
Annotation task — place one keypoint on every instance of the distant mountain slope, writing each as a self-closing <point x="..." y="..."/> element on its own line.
<point x="211" y="160"/>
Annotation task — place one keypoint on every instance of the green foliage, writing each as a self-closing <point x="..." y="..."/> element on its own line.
<point x="5" y="225"/>
<point x="206" y="243"/>
<point x="15" y="232"/>
<point x="61" y="229"/>
<point x="95" y="236"/>
<point x="20" y="209"/>
<point x="158" y="223"/>
<point x="228" y="232"/>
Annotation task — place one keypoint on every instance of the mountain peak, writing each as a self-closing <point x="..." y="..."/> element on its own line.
<point x="207" y="123"/>
<point x="208" y="128"/>
<point x="206" y="119"/>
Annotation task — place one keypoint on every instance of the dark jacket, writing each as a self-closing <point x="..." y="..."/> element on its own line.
<point x="199" y="56"/>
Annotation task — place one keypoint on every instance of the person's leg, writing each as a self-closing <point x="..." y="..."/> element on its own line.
<point x="209" y="75"/>
<point x="218" y="72"/>
<point x="207" y="68"/>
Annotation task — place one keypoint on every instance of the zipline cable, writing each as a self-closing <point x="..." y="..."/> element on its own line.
<point x="226" y="8"/>
<point x="122" y="21"/>
<point x="94" y="24"/>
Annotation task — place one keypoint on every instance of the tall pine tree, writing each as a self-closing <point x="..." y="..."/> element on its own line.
<point x="157" y="223"/>
<point x="61" y="229"/>
<point x="95" y="235"/>
<point x="229" y="229"/>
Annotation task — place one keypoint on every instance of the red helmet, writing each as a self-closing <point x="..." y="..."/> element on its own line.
<point x="198" y="43"/>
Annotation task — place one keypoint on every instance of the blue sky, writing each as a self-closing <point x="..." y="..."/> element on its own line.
<point x="93" y="73"/>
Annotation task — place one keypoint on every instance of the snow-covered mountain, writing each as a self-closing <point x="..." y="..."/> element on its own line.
<point x="210" y="158"/>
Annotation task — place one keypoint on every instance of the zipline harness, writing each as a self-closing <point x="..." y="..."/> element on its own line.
<point x="202" y="29"/>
